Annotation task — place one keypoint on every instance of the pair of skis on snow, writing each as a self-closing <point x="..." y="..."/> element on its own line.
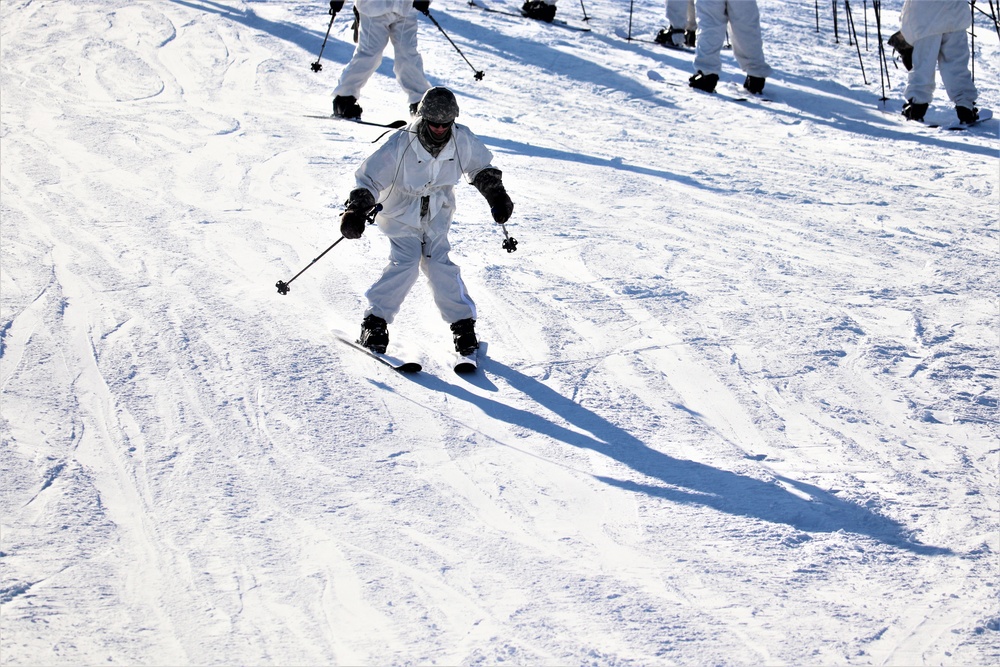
<point x="463" y="365"/>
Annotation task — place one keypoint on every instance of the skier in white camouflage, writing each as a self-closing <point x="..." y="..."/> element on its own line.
<point x="742" y="17"/>
<point x="413" y="176"/>
<point x="934" y="33"/>
<point x="379" y="22"/>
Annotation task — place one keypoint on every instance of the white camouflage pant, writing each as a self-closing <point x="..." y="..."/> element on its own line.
<point x="408" y="255"/>
<point x="743" y="19"/>
<point x="373" y="36"/>
<point x="949" y="53"/>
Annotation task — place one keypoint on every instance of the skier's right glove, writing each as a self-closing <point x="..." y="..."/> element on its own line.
<point x="422" y="6"/>
<point x="353" y="220"/>
<point x="336" y="6"/>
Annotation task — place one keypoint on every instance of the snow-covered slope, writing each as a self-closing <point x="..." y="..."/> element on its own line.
<point x="740" y="401"/>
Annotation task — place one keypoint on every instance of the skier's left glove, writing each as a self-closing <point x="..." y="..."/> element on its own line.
<point x="500" y="206"/>
<point x="422" y="6"/>
<point x="489" y="182"/>
<point x="336" y="6"/>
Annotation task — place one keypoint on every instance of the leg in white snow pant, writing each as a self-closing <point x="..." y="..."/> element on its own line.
<point x="680" y="14"/>
<point x="950" y="53"/>
<point x="745" y="34"/>
<point x="712" y="22"/>
<point x="743" y="20"/>
<point x="407" y="256"/>
<point x="373" y="36"/>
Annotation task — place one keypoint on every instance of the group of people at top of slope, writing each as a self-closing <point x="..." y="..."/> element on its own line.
<point x="413" y="174"/>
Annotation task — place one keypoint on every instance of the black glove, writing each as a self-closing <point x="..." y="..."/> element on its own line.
<point x="353" y="220"/>
<point x="352" y="223"/>
<point x="422" y="6"/>
<point x="489" y="182"/>
<point x="336" y="6"/>
<point x="500" y="206"/>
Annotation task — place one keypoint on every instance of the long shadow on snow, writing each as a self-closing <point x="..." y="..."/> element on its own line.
<point x="308" y="40"/>
<point x="521" y="148"/>
<point x="534" y="54"/>
<point x="855" y="111"/>
<point x="679" y="480"/>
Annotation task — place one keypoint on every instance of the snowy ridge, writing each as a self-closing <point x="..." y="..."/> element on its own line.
<point x="740" y="404"/>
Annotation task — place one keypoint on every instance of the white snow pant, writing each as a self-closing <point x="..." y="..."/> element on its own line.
<point x="374" y="34"/>
<point x="950" y="53"/>
<point x="743" y="18"/>
<point x="408" y="255"/>
<point x="681" y="14"/>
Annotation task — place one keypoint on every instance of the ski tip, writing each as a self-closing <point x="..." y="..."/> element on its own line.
<point x="465" y="367"/>
<point x="409" y="367"/>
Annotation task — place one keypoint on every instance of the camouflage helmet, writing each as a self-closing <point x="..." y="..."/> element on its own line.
<point x="438" y="106"/>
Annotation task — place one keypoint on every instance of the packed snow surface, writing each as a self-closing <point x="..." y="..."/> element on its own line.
<point x="739" y="397"/>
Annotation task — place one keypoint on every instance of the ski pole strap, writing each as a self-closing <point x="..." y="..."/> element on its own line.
<point x="370" y="217"/>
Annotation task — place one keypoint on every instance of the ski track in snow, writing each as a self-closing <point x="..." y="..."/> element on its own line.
<point x="739" y="404"/>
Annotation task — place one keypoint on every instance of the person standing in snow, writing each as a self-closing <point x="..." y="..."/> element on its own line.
<point x="413" y="176"/>
<point x="935" y="29"/>
<point x="543" y="10"/>
<point x="379" y="22"/>
<point x="743" y="19"/>
<point x="682" y="23"/>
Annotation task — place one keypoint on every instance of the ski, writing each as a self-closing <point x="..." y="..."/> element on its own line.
<point x="984" y="115"/>
<point x="741" y="94"/>
<point x="396" y="363"/>
<point x="952" y="126"/>
<point x="556" y="22"/>
<point x="394" y="125"/>
<point x="466" y="365"/>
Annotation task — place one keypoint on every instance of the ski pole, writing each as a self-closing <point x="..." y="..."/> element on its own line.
<point x="585" y="17"/>
<point x="853" y="31"/>
<point x="836" y="33"/>
<point x="883" y="65"/>
<point x="335" y="6"/>
<point x="479" y="74"/>
<point x="282" y="285"/>
<point x="630" y="4"/>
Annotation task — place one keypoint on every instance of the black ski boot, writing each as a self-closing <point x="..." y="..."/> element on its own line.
<point x="414" y="106"/>
<point x="703" y="81"/>
<point x="464" y="332"/>
<point x="374" y="334"/>
<point x="914" y="111"/>
<point x="672" y="38"/>
<point x="537" y="9"/>
<point x="754" y="84"/>
<point x="346" y="107"/>
<point x="690" y="38"/>
<point x="967" y="116"/>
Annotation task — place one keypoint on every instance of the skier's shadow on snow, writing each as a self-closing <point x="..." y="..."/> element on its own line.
<point x="808" y="508"/>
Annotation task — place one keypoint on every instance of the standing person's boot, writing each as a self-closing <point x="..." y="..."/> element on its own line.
<point x="703" y="81"/>
<point x="967" y="116"/>
<point x="914" y="111"/>
<point x="537" y="9"/>
<point x="754" y="84"/>
<point x="464" y="332"/>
